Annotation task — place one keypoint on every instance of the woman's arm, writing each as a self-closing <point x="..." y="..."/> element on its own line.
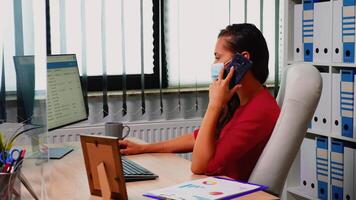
<point x="181" y="144"/>
<point x="204" y="147"/>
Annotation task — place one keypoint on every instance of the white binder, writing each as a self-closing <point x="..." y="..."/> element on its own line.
<point x="322" y="116"/>
<point x="322" y="32"/>
<point x="354" y="171"/>
<point x="308" y="167"/>
<point x="298" y="42"/>
<point x="348" y="31"/>
<point x="349" y="182"/>
<point x="335" y="105"/>
<point x="354" y="114"/>
<point x="337" y="164"/>
<point x="337" y="50"/>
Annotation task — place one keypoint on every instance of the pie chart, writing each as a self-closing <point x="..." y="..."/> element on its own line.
<point x="209" y="182"/>
<point x="215" y="193"/>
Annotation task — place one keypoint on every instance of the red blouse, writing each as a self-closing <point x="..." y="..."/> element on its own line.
<point x="243" y="138"/>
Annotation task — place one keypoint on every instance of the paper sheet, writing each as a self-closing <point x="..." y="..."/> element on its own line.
<point x="205" y="189"/>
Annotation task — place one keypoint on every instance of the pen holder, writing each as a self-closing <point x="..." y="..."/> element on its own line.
<point x="10" y="186"/>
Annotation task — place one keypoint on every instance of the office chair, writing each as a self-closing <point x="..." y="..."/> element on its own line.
<point x="298" y="98"/>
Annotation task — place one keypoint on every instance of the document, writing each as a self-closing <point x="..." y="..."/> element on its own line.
<point x="206" y="189"/>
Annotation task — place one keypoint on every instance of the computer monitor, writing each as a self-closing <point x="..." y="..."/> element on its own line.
<point x="25" y="87"/>
<point x="65" y="96"/>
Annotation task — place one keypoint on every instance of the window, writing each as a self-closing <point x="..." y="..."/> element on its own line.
<point x="192" y="28"/>
<point x="107" y="39"/>
<point x="23" y="32"/>
<point x="175" y="47"/>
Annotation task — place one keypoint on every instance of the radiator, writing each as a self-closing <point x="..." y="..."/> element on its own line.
<point x="147" y="131"/>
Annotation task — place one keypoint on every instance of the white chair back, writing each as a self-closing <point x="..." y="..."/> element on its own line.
<point x="298" y="97"/>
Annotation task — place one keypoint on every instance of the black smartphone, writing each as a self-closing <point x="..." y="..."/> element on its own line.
<point x="241" y="65"/>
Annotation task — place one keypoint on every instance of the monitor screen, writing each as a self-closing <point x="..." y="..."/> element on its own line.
<point x="65" y="99"/>
<point x="25" y="87"/>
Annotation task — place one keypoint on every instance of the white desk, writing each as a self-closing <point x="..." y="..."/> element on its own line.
<point x="66" y="178"/>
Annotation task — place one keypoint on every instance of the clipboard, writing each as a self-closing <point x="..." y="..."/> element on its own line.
<point x="217" y="188"/>
<point x="103" y="165"/>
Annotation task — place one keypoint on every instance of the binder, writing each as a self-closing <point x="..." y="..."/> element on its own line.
<point x="322" y="167"/>
<point x="348" y="30"/>
<point x="308" y="29"/>
<point x="335" y="105"/>
<point x="337" y="52"/>
<point x="337" y="169"/>
<point x="298" y="43"/>
<point x="307" y="167"/>
<point x="354" y="113"/>
<point x="354" y="170"/>
<point x="347" y="102"/>
<point x="322" y="36"/>
<point x="349" y="173"/>
<point x="322" y="116"/>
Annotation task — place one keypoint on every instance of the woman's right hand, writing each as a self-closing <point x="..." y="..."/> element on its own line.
<point x="219" y="91"/>
<point x="128" y="147"/>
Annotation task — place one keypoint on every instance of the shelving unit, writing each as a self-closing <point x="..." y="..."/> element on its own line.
<point x="298" y="193"/>
<point x="326" y="57"/>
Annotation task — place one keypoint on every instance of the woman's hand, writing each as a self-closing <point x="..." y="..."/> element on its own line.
<point x="219" y="92"/>
<point x="128" y="147"/>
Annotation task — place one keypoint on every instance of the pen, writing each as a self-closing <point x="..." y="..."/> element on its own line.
<point x="5" y="169"/>
<point x="22" y="155"/>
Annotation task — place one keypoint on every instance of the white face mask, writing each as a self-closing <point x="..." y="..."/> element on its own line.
<point x="215" y="69"/>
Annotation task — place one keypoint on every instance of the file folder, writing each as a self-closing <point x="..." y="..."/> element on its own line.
<point x="347" y="102"/>
<point x="354" y="171"/>
<point x="353" y="136"/>
<point x="337" y="54"/>
<point x="349" y="182"/>
<point x="337" y="169"/>
<point x="348" y="30"/>
<point x="322" y="167"/>
<point x="322" y="36"/>
<point x="322" y="116"/>
<point x="307" y="167"/>
<point x="335" y="105"/>
<point x="308" y="29"/>
<point x="298" y="43"/>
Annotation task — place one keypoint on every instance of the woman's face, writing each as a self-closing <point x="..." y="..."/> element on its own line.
<point x="222" y="53"/>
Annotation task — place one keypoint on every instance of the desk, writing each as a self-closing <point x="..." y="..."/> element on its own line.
<point x="66" y="178"/>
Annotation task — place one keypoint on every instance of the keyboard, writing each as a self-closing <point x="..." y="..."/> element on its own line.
<point x="135" y="172"/>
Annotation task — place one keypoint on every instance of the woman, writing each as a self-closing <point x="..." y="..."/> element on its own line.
<point x="238" y="121"/>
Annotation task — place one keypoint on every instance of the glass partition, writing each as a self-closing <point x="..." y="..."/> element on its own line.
<point x="23" y="129"/>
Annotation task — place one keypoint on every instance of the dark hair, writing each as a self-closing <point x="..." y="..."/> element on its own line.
<point x="246" y="37"/>
<point x="239" y="38"/>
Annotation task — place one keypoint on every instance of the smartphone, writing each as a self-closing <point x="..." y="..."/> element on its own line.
<point x="241" y="65"/>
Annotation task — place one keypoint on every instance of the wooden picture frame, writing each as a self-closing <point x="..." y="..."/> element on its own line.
<point x="104" y="167"/>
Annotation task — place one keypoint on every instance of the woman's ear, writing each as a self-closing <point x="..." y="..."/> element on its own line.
<point x="246" y="54"/>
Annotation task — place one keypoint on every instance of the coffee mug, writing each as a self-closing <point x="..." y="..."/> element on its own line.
<point x="116" y="129"/>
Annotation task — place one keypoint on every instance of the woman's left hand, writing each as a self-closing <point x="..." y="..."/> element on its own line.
<point x="219" y="92"/>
